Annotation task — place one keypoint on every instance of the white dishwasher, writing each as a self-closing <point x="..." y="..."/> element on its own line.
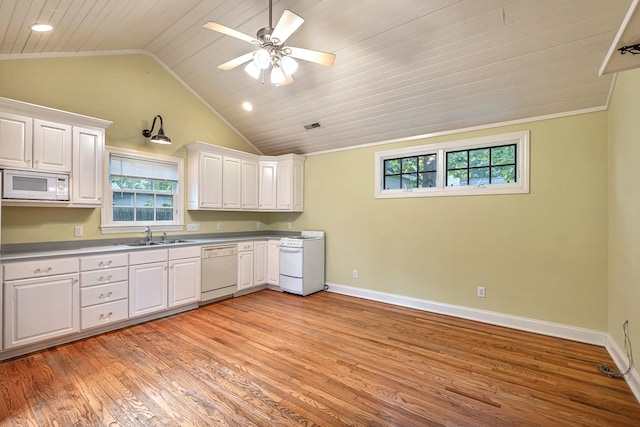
<point x="219" y="272"/>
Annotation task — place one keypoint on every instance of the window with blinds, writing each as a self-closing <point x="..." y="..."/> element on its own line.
<point x="144" y="189"/>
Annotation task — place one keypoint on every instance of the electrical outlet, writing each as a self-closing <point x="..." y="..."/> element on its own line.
<point x="78" y="231"/>
<point x="288" y="226"/>
<point x="193" y="227"/>
<point x="219" y="226"/>
<point x="258" y="224"/>
<point x="481" y="292"/>
<point x="355" y="274"/>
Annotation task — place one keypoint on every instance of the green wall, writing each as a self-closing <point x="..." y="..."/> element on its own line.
<point x="541" y="255"/>
<point x="128" y="90"/>
<point x="624" y="208"/>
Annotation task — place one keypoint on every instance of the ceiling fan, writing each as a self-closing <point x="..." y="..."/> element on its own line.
<point x="273" y="53"/>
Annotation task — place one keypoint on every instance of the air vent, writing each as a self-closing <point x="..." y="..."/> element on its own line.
<point x="312" y="126"/>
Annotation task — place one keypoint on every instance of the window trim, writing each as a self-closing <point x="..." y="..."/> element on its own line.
<point x="521" y="139"/>
<point x="106" y="217"/>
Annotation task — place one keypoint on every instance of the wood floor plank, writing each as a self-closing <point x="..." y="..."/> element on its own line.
<point x="273" y="359"/>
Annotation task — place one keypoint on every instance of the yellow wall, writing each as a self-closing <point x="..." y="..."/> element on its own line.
<point x="128" y="90"/>
<point x="541" y="255"/>
<point x="624" y="208"/>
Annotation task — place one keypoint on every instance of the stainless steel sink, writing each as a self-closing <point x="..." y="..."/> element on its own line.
<point x="158" y="243"/>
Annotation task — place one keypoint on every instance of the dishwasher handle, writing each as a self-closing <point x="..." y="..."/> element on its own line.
<point x="219" y="251"/>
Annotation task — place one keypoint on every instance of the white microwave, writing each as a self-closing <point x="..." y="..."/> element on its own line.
<point x="27" y="185"/>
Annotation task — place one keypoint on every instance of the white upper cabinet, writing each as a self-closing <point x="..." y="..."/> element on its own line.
<point x="243" y="181"/>
<point x="249" y="184"/>
<point x="88" y="154"/>
<point x="267" y="197"/>
<point x="16" y="141"/>
<point x="51" y="146"/>
<point x="231" y="183"/>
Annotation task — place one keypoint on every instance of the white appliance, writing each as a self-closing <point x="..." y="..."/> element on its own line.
<point x="27" y="185"/>
<point x="302" y="263"/>
<point x="219" y="272"/>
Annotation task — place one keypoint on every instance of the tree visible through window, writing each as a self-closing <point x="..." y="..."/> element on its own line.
<point x="491" y="165"/>
<point x="410" y="172"/>
<point x="143" y="191"/>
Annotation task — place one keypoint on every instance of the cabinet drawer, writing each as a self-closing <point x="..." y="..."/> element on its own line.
<point x="103" y="293"/>
<point x="188" y="252"/>
<point x="38" y="268"/>
<point x="99" y="315"/>
<point x="103" y="261"/>
<point x="102" y="277"/>
<point x="245" y="246"/>
<point x="145" y="257"/>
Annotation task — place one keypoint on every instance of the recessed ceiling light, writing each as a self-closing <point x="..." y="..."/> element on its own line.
<point x="247" y="106"/>
<point x="41" y="28"/>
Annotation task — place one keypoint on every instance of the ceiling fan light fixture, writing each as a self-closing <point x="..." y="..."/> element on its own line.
<point x="253" y="70"/>
<point x="262" y="59"/>
<point x="289" y="65"/>
<point x="277" y="76"/>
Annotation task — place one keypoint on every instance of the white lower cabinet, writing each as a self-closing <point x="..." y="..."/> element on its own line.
<point x="104" y="290"/>
<point x="39" y="305"/>
<point x="184" y="276"/>
<point x="259" y="262"/>
<point x="273" y="262"/>
<point x="245" y="265"/>
<point x="148" y="282"/>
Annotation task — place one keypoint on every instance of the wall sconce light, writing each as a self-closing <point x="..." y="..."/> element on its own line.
<point x="160" y="138"/>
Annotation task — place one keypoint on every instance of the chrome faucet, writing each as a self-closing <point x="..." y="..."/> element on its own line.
<point x="149" y="234"/>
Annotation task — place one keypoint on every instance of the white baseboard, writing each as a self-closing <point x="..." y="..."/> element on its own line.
<point x="521" y="323"/>
<point x="620" y="358"/>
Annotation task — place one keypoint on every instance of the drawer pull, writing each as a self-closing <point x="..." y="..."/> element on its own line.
<point x="105" y="264"/>
<point x="106" y="316"/>
<point x="108" y="295"/>
<point x="40" y="270"/>
<point x="104" y="279"/>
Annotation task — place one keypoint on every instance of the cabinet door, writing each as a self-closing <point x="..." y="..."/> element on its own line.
<point x="210" y="181"/>
<point x="231" y="183"/>
<point x="284" y="184"/>
<point x="245" y="269"/>
<point x="51" y="146"/>
<point x="260" y="263"/>
<point x="40" y="309"/>
<point x="297" y="187"/>
<point x="249" y="184"/>
<point x="184" y="281"/>
<point x="267" y="186"/>
<point x="273" y="262"/>
<point x="148" y="287"/>
<point x="16" y="141"/>
<point x="88" y="152"/>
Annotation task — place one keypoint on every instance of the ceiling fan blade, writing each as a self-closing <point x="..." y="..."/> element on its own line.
<point x="230" y="32"/>
<point x="287" y="80"/>
<point x="288" y="24"/>
<point x="236" y="61"/>
<point x="316" y="56"/>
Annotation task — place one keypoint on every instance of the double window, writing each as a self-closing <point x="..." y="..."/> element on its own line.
<point x="143" y="190"/>
<point x="489" y="165"/>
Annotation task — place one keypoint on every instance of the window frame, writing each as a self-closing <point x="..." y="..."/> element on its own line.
<point x="108" y="226"/>
<point x="520" y="139"/>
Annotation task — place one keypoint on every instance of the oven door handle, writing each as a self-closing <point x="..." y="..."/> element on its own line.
<point x="292" y="250"/>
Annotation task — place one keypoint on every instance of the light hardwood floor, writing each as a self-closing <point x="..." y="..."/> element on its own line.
<point x="273" y="359"/>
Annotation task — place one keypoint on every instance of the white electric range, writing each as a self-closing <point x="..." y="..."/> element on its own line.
<point x="302" y="263"/>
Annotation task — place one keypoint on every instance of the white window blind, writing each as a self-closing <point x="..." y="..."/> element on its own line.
<point x="131" y="167"/>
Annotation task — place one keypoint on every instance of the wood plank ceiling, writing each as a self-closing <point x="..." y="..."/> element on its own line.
<point x="403" y="67"/>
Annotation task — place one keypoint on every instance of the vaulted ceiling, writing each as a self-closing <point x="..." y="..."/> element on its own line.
<point x="403" y="67"/>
